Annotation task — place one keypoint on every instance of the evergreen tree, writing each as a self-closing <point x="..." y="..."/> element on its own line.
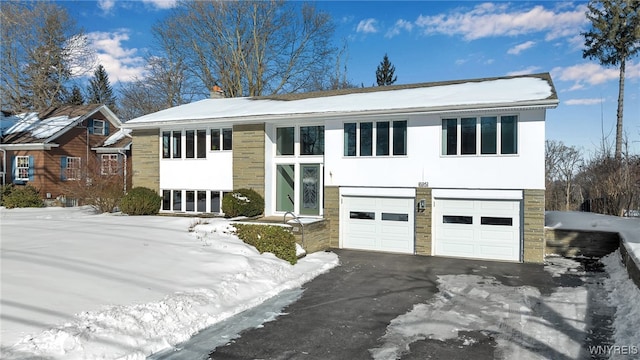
<point x="76" y="97"/>
<point x="99" y="89"/>
<point x="613" y="38"/>
<point x="384" y="72"/>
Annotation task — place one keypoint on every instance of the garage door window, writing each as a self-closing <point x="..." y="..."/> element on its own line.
<point x="456" y="219"/>
<point x="499" y="221"/>
<point x="363" y="215"/>
<point x="395" y="217"/>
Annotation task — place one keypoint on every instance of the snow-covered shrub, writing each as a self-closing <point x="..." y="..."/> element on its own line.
<point x="242" y="202"/>
<point x="277" y="240"/>
<point x="21" y="197"/>
<point x="141" y="201"/>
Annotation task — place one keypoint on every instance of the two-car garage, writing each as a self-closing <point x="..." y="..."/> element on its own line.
<point x="473" y="226"/>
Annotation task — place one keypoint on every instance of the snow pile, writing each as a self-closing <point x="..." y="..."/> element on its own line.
<point x="525" y="324"/>
<point x="135" y="284"/>
<point x="625" y="296"/>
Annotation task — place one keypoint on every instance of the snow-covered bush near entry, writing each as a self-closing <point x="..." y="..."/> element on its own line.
<point x="242" y="202"/>
<point x="268" y="238"/>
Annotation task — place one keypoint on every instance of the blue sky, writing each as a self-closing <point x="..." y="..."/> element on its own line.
<point x="428" y="41"/>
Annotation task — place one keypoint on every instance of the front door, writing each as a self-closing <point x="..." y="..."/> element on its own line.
<point x="310" y="189"/>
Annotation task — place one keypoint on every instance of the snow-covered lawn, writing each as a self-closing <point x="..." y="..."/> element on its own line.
<point x="76" y="285"/>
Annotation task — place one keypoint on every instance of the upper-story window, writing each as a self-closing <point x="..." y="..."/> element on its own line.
<point x="171" y="144"/>
<point x="484" y="135"/>
<point x="310" y="138"/>
<point x="380" y="138"/>
<point x="221" y="139"/>
<point x="98" y="127"/>
<point x="196" y="144"/>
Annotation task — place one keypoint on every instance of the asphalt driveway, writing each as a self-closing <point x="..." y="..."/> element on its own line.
<point x="345" y="313"/>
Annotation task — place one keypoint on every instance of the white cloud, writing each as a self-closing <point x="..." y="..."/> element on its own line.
<point x="492" y="20"/>
<point x="106" y="5"/>
<point x="520" y="47"/>
<point x="398" y="27"/>
<point x="122" y="64"/>
<point x="583" y="101"/>
<point x="590" y="73"/>
<point x="461" y="61"/>
<point x="525" y="71"/>
<point x="161" y="4"/>
<point x="367" y="26"/>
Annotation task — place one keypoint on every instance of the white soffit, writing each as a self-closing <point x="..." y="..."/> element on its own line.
<point x="477" y="194"/>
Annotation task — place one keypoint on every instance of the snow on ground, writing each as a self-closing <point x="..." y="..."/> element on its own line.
<point x="76" y="285"/>
<point x="524" y="323"/>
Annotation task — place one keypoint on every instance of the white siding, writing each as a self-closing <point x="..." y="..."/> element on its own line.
<point x="213" y="173"/>
<point x="424" y="162"/>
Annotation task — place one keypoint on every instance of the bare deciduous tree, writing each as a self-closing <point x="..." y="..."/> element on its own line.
<point x="41" y="51"/>
<point x="250" y="48"/>
<point x="562" y="163"/>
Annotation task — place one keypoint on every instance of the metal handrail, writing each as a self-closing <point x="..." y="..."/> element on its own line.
<point x="297" y="219"/>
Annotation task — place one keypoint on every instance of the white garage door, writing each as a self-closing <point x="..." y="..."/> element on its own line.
<point x="481" y="229"/>
<point x="381" y="224"/>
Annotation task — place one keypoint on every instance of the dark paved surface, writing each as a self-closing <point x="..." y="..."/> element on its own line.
<point x="343" y="313"/>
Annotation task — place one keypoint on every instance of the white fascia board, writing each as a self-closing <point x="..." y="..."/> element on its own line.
<point x="255" y="119"/>
<point x="378" y="192"/>
<point x="39" y="146"/>
<point x="477" y="194"/>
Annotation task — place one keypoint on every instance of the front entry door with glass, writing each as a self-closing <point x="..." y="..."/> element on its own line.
<point x="309" y="189"/>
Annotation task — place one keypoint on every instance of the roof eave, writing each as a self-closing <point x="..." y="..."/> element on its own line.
<point x="29" y="146"/>
<point x="549" y="103"/>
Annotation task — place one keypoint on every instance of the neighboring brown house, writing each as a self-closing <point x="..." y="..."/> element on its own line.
<point x="72" y="142"/>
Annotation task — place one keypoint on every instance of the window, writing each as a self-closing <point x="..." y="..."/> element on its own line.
<point x="177" y="200"/>
<point x="498" y="221"/>
<point x="190" y="197"/>
<point x="360" y="139"/>
<point x="488" y="141"/>
<point x="176" y="145"/>
<point x="366" y="139"/>
<point x="98" y="127"/>
<point x="215" y="201"/>
<point x="201" y="198"/>
<point x="285" y="141"/>
<point x="227" y="139"/>
<point x="509" y="134"/>
<point x="22" y="168"/>
<point x="73" y="168"/>
<point x="399" y="138"/>
<point x="486" y="135"/>
<point x="215" y="139"/>
<point x="382" y="138"/>
<point x="221" y="143"/>
<point x="195" y="144"/>
<point x="166" y="199"/>
<point x="363" y="215"/>
<point x="395" y="217"/>
<point x="201" y="144"/>
<point x="456" y="219"/>
<point x="109" y="164"/>
<point x="312" y="140"/>
<point x="350" y="139"/>
<point x="166" y="144"/>
<point x="468" y="136"/>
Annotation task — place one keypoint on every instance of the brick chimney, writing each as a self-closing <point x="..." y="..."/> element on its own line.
<point x="216" y="92"/>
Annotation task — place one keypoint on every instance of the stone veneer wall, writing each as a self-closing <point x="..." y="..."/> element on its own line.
<point x="316" y="235"/>
<point x="332" y="214"/>
<point x="423" y="222"/>
<point x="249" y="157"/>
<point x="146" y="159"/>
<point x="533" y="226"/>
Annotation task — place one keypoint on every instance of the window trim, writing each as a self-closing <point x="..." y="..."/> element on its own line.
<point x="70" y="171"/>
<point x="18" y="167"/>
<point x="479" y="135"/>
<point x="109" y="159"/>
<point x="297" y="141"/>
<point x="102" y="128"/>
<point x="376" y="150"/>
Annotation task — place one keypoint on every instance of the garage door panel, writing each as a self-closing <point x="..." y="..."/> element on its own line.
<point x="483" y="229"/>
<point x="386" y="223"/>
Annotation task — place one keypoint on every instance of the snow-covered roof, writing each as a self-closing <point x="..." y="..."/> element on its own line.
<point x="41" y="127"/>
<point x="120" y="139"/>
<point x="476" y="93"/>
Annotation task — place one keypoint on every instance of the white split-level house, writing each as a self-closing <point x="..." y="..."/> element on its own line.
<point x="450" y="168"/>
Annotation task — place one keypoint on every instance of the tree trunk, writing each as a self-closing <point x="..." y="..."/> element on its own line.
<point x="619" y="113"/>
